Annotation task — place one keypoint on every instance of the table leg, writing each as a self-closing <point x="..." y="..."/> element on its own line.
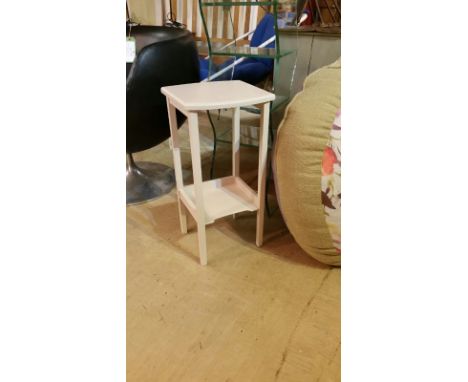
<point x="262" y="170"/>
<point x="175" y="146"/>
<point x="235" y="143"/>
<point x="198" y="185"/>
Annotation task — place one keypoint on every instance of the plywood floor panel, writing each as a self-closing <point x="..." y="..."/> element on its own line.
<point x="253" y="314"/>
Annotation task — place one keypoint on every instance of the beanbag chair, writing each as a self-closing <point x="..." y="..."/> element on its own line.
<point x="307" y="165"/>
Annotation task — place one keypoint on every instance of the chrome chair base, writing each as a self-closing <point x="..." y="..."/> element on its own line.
<point x="147" y="180"/>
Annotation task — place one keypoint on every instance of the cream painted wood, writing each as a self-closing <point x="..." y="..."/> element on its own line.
<point x="216" y="95"/>
<point x="214" y="199"/>
<point x="198" y="23"/>
<point x="235" y="141"/>
<point x="209" y="21"/>
<point x="166" y="8"/>
<point x="159" y="13"/>
<point x="253" y="19"/>
<point x="190" y="15"/>
<point x="231" y="25"/>
<point x="180" y="11"/>
<point x="241" y="22"/>
<point x="175" y="146"/>
<point x="220" y="22"/>
<point x="198" y="185"/>
<point x="262" y="170"/>
<point x="225" y="196"/>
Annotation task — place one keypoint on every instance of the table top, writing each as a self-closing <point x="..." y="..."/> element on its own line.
<point x="216" y="95"/>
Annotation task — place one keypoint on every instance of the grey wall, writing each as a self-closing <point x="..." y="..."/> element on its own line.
<point x="314" y="50"/>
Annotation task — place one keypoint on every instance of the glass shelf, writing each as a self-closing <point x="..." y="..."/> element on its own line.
<point x="248" y="51"/>
<point x="224" y="3"/>
<point x="240" y="51"/>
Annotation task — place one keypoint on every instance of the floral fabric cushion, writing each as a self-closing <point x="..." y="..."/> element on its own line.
<point x="331" y="183"/>
<point x="299" y="166"/>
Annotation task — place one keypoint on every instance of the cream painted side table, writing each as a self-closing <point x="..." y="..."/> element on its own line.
<point x="214" y="199"/>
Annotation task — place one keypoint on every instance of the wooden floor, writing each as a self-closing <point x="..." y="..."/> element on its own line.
<point x="253" y="314"/>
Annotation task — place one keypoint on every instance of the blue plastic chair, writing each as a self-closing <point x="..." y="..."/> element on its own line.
<point x="251" y="70"/>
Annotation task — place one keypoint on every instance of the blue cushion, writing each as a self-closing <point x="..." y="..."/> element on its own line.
<point x="204" y="68"/>
<point x="264" y="31"/>
<point x="251" y="70"/>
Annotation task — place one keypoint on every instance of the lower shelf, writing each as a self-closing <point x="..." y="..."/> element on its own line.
<point x="221" y="197"/>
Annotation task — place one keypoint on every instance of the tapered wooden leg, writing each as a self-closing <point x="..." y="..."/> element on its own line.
<point x="235" y="143"/>
<point x="201" y="232"/>
<point x="175" y="147"/>
<point x="262" y="170"/>
<point x="198" y="185"/>
<point x="182" y="215"/>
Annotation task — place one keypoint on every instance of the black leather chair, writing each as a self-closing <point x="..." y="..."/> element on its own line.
<point x="165" y="56"/>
